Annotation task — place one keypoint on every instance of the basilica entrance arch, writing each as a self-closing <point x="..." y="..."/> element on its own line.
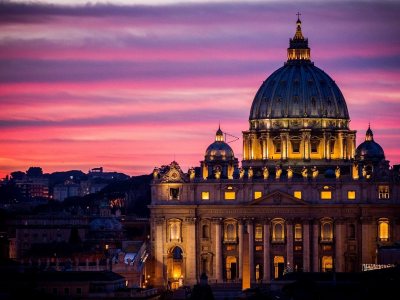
<point x="231" y="268"/>
<point x="175" y="266"/>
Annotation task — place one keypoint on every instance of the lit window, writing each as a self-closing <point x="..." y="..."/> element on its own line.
<point x="258" y="232"/>
<point x="175" y="230"/>
<point x="327" y="247"/>
<point x="174" y="194"/>
<point x="205" y="195"/>
<point x="297" y="232"/>
<point x="230" y="195"/>
<point x="258" y="248"/>
<point x="326" y="232"/>
<point x="326" y="195"/>
<point x="351" y="195"/>
<point x="383" y="231"/>
<point x="230" y="248"/>
<point x="314" y="146"/>
<point x="383" y="192"/>
<point x="230" y="232"/>
<point x="230" y="188"/>
<point x="297" y="194"/>
<point x="107" y="246"/>
<point x="278" y="147"/>
<point x="298" y="248"/>
<point x="257" y="195"/>
<point x="296" y="146"/>
<point x="278" y="234"/>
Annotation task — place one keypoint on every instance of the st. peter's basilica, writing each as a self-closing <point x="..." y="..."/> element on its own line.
<point x="305" y="195"/>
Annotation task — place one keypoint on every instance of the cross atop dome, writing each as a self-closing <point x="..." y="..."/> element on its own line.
<point x="299" y="34"/>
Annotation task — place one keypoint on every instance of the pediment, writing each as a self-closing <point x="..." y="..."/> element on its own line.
<point x="277" y="197"/>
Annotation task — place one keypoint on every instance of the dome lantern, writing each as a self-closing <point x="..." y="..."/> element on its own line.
<point x="298" y="50"/>
<point x="219" y="137"/>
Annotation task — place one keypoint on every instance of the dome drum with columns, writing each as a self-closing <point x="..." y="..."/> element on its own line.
<point x="299" y="116"/>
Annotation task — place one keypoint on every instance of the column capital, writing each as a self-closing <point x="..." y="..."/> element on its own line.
<point x="216" y="221"/>
<point x="267" y="221"/>
<point x="249" y="221"/>
<point x="289" y="221"/>
<point x="240" y="221"/>
<point x="190" y="221"/>
<point x="339" y="220"/>
<point x="314" y="221"/>
<point x="306" y="221"/>
<point x="366" y="220"/>
<point x="159" y="221"/>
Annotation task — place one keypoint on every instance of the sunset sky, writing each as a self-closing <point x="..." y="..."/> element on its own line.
<point x="128" y="85"/>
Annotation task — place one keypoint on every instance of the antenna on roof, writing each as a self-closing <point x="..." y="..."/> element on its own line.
<point x="234" y="140"/>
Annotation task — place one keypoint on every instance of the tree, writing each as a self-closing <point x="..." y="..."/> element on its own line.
<point x="34" y="172"/>
<point x="74" y="237"/>
<point x="18" y="175"/>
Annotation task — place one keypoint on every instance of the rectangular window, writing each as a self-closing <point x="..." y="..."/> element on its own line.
<point x="327" y="247"/>
<point x="230" y="248"/>
<point x="296" y="146"/>
<point x="79" y="291"/>
<point x="278" y="147"/>
<point x="54" y="291"/>
<point x="230" y="195"/>
<point x="257" y="194"/>
<point x="205" y="195"/>
<point x="42" y="290"/>
<point x="66" y="291"/>
<point x="332" y="146"/>
<point x="326" y="195"/>
<point x="298" y="248"/>
<point x="297" y="194"/>
<point x="258" y="248"/>
<point x="107" y="246"/>
<point x="174" y="194"/>
<point x="314" y="146"/>
<point x="383" y="192"/>
<point x="351" y="195"/>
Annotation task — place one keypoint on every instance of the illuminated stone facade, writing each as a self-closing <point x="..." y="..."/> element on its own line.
<point x="305" y="195"/>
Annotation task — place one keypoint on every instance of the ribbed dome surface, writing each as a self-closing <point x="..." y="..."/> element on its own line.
<point x="220" y="150"/>
<point x="369" y="149"/>
<point x="299" y="91"/>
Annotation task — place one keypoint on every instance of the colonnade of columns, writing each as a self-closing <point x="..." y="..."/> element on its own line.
<point x="310" y="243"/>
<point x="310" y="259"/>
<point x="257" y="146"/>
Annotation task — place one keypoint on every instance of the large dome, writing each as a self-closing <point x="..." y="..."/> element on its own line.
<point x="299" y="94"/>
<point x="299" y="91"/>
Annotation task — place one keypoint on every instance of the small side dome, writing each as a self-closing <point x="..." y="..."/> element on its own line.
<point x="369" y="149"/>
<point x="219" y="149"/>
<point x="330" y="174"/>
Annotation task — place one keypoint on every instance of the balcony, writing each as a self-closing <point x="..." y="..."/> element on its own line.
<point x="326" y="240"/>
<point x="278" y="240"/>
<point x="230" y="241"/>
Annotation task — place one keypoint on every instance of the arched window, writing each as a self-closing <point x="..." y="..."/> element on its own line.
<point x="383" y="231"/>
<point x="298" y="234"/>
<point x="206" y="231"/>
<point x="258" y="235"/>
<point x="327" y="234"/>
<point x="352" y="231"/>
<point x="230" y="232"/>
